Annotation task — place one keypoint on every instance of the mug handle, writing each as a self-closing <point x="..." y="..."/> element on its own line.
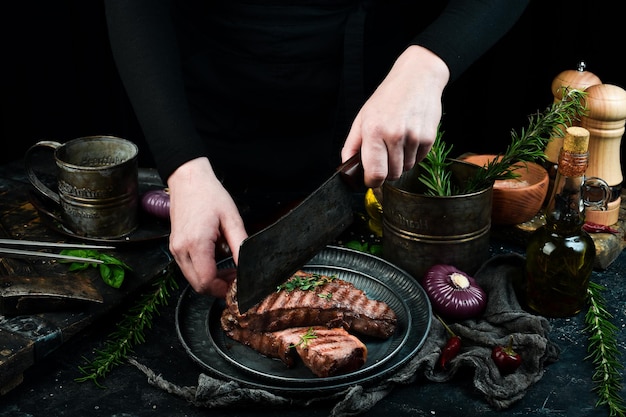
<point x="601" y="204"/>
<point x="32" y="175"/>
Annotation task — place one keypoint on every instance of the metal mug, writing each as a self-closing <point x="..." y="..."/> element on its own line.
<point x="97" y="184"/>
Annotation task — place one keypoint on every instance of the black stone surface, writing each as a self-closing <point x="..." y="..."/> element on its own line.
<point x="50" y="389"/>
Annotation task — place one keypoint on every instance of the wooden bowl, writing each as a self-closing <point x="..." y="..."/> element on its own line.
<point x="518" y="200"/>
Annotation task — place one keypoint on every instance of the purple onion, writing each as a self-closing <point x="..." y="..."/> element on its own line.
<point x="453" y="293"/>
<point x="157" y="203"/>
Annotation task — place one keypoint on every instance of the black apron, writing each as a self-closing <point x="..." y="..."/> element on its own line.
<point x="267" y="86"/>
<point x="274" y="86"/>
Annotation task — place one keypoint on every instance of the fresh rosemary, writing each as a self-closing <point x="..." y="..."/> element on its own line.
<point x="436" y="175"/>
<point x="527" y="146"/>
<point x="305" y="283"/>
<point x="130" y="330"/>
<point x="603" y="353"/>
<point x="305" y="338"/>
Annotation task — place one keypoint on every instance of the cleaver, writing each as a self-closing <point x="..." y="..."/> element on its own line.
<point x="271" y="256"/>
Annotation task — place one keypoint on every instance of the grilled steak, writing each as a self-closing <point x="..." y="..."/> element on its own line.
<point x="326" y="302"/>
<point x="326" y="352"/>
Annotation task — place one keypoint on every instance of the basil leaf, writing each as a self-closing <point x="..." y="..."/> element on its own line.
<point x="112" y="271"/>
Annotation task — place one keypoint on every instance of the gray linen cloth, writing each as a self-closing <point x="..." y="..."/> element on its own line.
<point x="503" y="318"/>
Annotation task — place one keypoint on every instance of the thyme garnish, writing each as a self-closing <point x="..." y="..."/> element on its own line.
<point x="130" y="330"/>
<point x="305" y="283"/>
<point x="305" y="338"/>
<point x="603" y="353"/>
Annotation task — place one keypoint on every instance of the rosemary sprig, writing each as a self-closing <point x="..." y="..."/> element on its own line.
<point x="603" y="353"/>
<point x="530" y="143"/>
<point x="130" y="330"/>
<point x="527" y="146"/>
<point x="305" y="338"/>
<point x="436" y="176"/>
<point x="305" y="283"/>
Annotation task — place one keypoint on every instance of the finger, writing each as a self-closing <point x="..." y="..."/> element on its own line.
<point x="375" y="163"/>
<point x="235" y="233"/>
<point x="411" y="149"/>
<point x="196" y="264"/>
<point x="353" y="142"/>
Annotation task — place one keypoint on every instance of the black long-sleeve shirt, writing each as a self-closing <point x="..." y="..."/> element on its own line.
<point x="266" y="89"/>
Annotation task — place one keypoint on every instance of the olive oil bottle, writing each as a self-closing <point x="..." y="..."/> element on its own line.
<point x="560" y="255"/>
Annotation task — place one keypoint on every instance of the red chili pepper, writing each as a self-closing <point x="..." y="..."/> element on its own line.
<point x="590" y="227"/>
<point x="505" y="358"/>
<point x="451" y="349"/>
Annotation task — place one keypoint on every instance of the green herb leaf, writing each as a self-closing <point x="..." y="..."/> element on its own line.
<point x="526" y="146"/>
<point x="112" y="271"/>
<point x="436" y="175"/>
<point x="130" y="330"/>
<point x="305" y="338"/>
<point x="604" y="352"/>
<point x="305" y="283"/>
<point x="372" y="248"/>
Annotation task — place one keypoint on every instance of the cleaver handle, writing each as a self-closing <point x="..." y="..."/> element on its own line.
<point x="352" y="172"/>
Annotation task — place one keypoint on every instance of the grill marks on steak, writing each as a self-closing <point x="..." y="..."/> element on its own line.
<point x="331" y="352"/>
<point x="333" y="304"/>
<point x="275" y="327"/>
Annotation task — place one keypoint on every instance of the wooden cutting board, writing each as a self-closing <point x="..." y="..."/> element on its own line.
<point x="43" y="304"/>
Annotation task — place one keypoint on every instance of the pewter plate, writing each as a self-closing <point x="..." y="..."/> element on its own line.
<point x="379" y="351"/>
<point x="197" y="325"/>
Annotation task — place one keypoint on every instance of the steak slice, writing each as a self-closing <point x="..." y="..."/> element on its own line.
<point x="326" y="352"/>
<point x="331" y="303"/>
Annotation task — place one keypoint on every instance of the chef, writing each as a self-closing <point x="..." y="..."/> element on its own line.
<point x="241" y="101"/>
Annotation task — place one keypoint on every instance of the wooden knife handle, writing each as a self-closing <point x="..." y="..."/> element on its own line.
<point x="352" y="171"/>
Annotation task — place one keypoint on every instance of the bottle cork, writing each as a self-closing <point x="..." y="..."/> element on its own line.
<point x="574" y="158"/>
<point x="576" y="140"/>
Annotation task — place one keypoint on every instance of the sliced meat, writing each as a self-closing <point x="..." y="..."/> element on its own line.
<point x="326" y="352"/>
<point x="335" y="303"/>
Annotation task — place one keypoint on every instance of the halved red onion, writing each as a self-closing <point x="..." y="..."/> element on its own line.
<point x="453" y="293"/>
<point x="157" y="203"/>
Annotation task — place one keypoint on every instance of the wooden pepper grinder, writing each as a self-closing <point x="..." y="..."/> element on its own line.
<point x="578" y="79"/>
<point x="605" y="119"/>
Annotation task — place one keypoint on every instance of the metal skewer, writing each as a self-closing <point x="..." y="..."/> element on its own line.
<point x="18" y="242"/>
<point x="30" y="254"/>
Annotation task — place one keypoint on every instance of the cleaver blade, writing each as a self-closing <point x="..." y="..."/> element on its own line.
<point x="271" y="256"/>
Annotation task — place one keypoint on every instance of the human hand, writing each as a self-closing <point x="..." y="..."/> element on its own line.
<point x="201" y="213"/>
<point x="397" y="125"/>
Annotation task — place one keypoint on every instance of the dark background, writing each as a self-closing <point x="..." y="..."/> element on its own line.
<point x="59" y="81"/>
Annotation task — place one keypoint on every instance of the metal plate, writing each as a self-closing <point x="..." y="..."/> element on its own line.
<point x="197" y="324"/>
<point x="378" y="351"/>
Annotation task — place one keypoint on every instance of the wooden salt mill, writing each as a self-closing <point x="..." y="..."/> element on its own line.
<point x="605" y="119"/>
<point x="578" y="79"/>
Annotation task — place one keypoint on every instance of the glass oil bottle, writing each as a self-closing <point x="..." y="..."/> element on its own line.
<point x="560" y="255"/>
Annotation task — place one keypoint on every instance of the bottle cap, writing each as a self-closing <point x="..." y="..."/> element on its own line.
<point x="576" y="140"/>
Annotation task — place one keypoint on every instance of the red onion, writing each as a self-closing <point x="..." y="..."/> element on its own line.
<point x="157" y="203"/>
<point x="453" y="293"/>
